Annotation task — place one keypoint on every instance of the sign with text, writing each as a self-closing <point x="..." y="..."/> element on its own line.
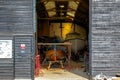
<point x="5" y="48"/>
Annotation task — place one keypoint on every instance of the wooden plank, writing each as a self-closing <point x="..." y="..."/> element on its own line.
<point x="16" y="16"/>
<point x="54" y="44"/>
<point x="105" y="30"/>
<point x="23" y="57"/>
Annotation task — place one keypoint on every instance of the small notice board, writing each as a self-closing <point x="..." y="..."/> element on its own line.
<point x="5" y="48"/>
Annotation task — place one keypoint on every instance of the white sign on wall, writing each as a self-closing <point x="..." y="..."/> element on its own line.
<point x="5" y="48"/>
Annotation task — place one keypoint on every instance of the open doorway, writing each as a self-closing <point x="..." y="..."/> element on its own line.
<point x="62" y="37"/>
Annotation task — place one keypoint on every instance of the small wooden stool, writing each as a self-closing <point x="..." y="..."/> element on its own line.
<point x="51" y="62"/>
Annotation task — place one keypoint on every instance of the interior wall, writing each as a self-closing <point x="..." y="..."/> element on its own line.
<point x="43" y="28"/>
<point x="67" y="28"/>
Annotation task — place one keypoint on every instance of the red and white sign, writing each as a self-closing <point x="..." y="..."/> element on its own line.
<point x="22" y="46"/>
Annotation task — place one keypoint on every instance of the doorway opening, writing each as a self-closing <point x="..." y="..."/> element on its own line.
<point x="62" y="38"/>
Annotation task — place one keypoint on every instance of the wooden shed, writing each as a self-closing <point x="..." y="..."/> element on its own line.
<point x="26" y="23"/>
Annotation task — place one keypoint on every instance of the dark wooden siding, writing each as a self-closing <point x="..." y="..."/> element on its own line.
<point x="6" y="69"/>
<point x="16" y="18"/>
<point x="105" y="37"/>
<point x="23" y="57"/>
<point x="6" y="64"/>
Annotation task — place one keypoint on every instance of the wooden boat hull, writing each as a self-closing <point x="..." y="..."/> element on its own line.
<point x="53" y="55"/>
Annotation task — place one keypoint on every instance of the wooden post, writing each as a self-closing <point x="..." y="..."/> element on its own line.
<point x="61" y="28"/>
<point x="69" y="55"/>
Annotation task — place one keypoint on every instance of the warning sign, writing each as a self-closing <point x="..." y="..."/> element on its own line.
<point x="22" y="46"/>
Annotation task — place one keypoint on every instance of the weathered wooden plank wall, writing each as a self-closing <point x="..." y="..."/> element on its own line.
<point x="16" y="18"/>
<point x="105" y="37"/>
<point x="23" y="57"/>
<point x="6" y="64"/>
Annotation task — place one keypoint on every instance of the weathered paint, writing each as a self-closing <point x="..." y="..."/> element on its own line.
<point x="105" y="37"/>
<point x="16" y="24"/>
